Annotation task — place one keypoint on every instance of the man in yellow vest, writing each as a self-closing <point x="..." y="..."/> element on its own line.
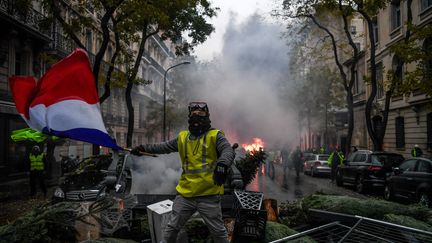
<point x="206" y="155"/>
<point x="335" y="159"/>
<point x="37" y="168"/>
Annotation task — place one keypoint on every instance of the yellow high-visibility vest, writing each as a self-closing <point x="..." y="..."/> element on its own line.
<point x="36" y="162"/>
<point x="339" y="154"/>
<point x="198" y="158"/>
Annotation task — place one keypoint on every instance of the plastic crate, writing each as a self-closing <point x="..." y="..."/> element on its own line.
<point x="248" y="199"/>
<point x="250" y="224"/>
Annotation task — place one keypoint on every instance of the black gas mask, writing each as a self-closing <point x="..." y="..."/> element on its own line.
<point x="199" y="118"/>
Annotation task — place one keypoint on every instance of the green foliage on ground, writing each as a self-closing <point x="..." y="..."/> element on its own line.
<point x="197" y="231"/>
<point x="296" y="213"/>
<point x="50" y="223"/>
<point x="275" y="231"/>
<point x="370" y="208"/>
<point x="407" y="221"/>
<point x="292" y="213"/>
<point x="249" y="165"/>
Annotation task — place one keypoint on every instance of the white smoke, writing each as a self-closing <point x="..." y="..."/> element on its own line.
<point x="155" y="175"/>
<point x="243" y="84"/>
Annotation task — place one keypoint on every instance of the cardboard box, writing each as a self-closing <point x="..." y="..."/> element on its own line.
<point x="90" y="229"/>
<point x="158" y="214"/>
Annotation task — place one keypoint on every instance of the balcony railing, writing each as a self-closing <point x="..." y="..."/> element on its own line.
<point x="154" y="63"/>
<point x="29" y="17"/>
<point x="62" y="43"/>
<point x="163" y="45"/>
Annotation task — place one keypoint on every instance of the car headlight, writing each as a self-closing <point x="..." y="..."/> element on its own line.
<point x="59" y="193"/>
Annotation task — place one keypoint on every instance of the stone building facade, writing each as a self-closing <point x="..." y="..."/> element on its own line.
<point x="410" y="117"/>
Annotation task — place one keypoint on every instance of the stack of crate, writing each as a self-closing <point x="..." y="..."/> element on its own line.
<point x="250" y="220"/>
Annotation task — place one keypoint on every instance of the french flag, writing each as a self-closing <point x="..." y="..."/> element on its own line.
<point x="64" y="102"/>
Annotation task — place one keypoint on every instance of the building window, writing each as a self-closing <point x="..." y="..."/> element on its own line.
<point x="353" y="29"/>
<point x="400" y="132"/>
<point x="375" y="29"/>
<point x="395" y="14"/>
<point x="18" y="63"/>
<point x="429" y="131"/>
<point x="427" y="49"/>
<point x="398" y="72"/>
<point x="358" y="46"/>
<point x="425" y="4"/>
<point x="89" y="41"/>
<point x="356" y="83"/>
<point x="380" y="81"/>
<point x="142" y="116"/>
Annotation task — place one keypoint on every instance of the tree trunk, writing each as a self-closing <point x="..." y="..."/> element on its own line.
<point x="377" y="142"/>
<point x="105" y="40"/>
<point x="350" y="104"/>
<point x="107" y="86"/>
<point x="130" y="84"/>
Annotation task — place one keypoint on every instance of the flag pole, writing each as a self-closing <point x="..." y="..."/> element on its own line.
<point x="143" y="153"/>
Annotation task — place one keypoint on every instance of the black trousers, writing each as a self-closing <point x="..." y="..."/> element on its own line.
<point x="37" y="177"/>
<point x="333" y="173"/>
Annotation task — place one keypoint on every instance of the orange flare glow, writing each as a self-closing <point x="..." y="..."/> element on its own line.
<point x="255" y="146"/>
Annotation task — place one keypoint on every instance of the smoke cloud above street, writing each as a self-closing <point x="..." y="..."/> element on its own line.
<point x="242" y="85"/>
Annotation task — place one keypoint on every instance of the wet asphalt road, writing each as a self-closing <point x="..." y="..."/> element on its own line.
<point x="288" y="187"/>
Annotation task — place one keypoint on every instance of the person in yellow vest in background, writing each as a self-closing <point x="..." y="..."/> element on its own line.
<point x="335" y="159"/>
<point x="206" y="155"/>
<point x="322" y="150"/>
<point x="37" y="170"/>
<point x="416" y="151"/>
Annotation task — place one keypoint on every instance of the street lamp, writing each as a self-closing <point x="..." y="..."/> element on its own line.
<point x="164" y="98"/>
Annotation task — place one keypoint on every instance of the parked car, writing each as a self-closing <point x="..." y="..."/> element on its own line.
<point x="317" y="164"/>
<point x="412" y="180"/>
<point x="366" y="169"/>
<point x="307" y="156"/>
<point x="93" y="177"/>
<point x="304" y="157"/>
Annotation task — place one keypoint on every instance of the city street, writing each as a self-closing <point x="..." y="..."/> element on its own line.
<point x="108" y="107"/>
<point x="288" y="187"/>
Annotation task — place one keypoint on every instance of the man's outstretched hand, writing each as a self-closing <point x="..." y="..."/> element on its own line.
<point x="137" y="150"/>
<point x="220" y="174"/>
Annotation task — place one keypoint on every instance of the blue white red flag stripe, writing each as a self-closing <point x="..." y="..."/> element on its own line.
<point x="64" y="102"/>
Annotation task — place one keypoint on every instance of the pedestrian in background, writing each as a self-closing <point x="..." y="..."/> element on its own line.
<point x="37" y="170"/>
<point x="297" y="160"/>
<point x="335" y="159"/>
<point x="322" y="150"/>
<point x="285" y="159"/>
<point x="416" y="151"/>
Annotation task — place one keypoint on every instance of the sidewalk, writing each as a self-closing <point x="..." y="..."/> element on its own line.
<point x="15" y="200"/>
<point x="20" y="188"/>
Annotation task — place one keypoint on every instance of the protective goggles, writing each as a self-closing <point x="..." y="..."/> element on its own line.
<point x="198" y="106"/>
